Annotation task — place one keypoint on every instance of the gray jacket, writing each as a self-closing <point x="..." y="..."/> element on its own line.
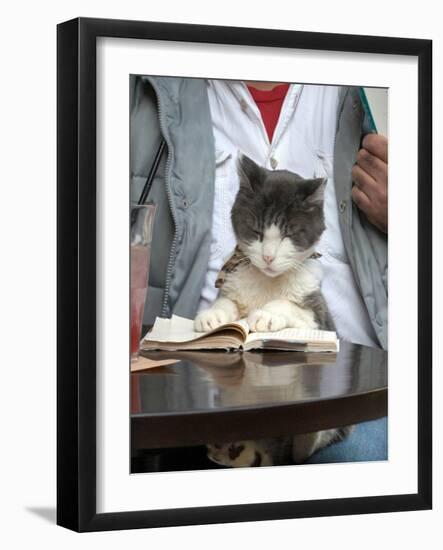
<point x="183" y="190"/>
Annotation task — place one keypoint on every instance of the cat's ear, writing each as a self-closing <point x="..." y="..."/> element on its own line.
<point x="251" y="174"/>
<point x="316" y="192"/>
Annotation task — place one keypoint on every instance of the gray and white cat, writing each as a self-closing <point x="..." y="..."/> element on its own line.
<point x="277" y="219"/>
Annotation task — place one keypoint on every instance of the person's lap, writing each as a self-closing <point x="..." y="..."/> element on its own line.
<point x="368" y="441"/>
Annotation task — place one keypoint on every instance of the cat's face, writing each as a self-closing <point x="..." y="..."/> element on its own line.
<point x="277" y="217"/>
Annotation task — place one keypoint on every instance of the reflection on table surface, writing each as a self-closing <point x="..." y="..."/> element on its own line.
<point x="210" y="381"/>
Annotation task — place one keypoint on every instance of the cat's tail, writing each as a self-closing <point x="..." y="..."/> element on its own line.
<point x="305" y="445"/>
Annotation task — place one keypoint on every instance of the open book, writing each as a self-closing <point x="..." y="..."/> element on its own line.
<point x="178" y="333"/>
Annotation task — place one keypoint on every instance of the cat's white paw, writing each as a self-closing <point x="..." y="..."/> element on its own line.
<point x="260" y="320"/>
<point x="210" y="319"/>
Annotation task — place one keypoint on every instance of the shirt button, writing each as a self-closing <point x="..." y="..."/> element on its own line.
<point x="243" y="105"/>
<point x="342" y="206"/>
<point x="274" y="163"/>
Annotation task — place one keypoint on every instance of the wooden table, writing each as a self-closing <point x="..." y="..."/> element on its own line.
<point x="221" y="397"/>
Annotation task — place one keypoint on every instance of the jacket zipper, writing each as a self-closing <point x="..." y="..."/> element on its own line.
<point x="164" y="310"/>
<point x="344" y="225"/>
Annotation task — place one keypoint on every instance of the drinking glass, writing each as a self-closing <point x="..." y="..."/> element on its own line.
<point x="142" y="222"/>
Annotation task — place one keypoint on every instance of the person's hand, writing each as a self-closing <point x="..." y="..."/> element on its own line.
<point x="370" y="175"/>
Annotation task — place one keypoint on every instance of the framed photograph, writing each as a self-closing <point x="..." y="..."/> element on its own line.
<point x="228" y="297"/>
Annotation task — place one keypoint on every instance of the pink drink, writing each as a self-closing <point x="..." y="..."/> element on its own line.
<point x="139" y="284"/>
<point x="142" y="219"/>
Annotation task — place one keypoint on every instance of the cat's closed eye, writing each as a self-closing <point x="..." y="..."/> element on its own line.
<point x="257" y="233"/>
<point x="292" y="233"/>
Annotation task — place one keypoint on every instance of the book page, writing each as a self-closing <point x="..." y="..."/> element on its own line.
<point x="294" y="335"/>
<point x="179" y="330"/>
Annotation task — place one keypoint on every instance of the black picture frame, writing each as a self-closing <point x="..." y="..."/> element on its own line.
<point x="76" y="265"/>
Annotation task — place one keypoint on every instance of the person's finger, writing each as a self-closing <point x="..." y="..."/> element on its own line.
<point x="372" y="165"/>
<point x="361" y="200"/>
<point x="377" y="145"/>
<point x="364" y="181"/>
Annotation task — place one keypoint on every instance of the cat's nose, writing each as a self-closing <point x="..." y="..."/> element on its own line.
<point x="268" y="259"/>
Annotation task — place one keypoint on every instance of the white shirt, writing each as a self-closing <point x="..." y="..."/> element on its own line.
<point x="303" y="142"/>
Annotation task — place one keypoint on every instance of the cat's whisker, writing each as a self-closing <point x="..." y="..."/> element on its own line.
<point x="297" y="266"/>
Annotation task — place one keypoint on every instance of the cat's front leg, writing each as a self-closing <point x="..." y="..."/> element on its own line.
<point x="280" y="314"/>
<point x="222" y="311"/>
